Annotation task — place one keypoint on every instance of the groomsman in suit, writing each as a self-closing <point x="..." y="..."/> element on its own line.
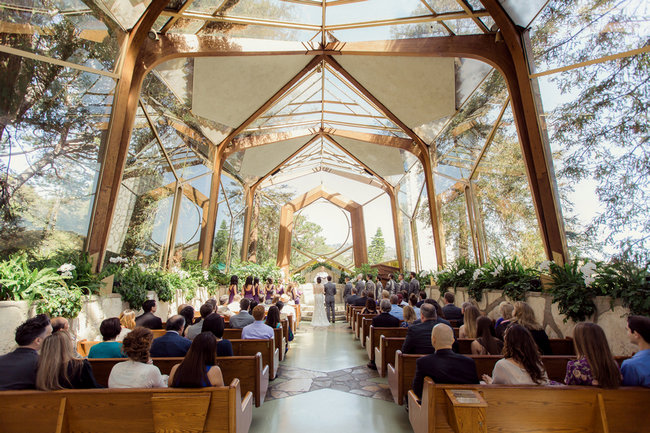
<point x="401" y="284"/>
<point x="361" y="285"/>
<point x="330" y="292"/>
<point x="379" y="288"/>
<point x="391" y="285"/>
<point x="414" y="286"/>
<point x="370" y="286"/>
<point x="347" y="291"/>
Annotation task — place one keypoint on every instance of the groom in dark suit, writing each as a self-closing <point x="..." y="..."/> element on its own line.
<point x="330" y="292"/>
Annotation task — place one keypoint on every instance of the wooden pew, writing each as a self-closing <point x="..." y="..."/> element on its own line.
<point x="270" y="354"/>
<point x="285" y="332"/>
<point x="401" y="374"/>
<point x="252" y="374"/>
<point x="508" y="408"/>
<point x="385" y="353"/>
<point x="358" y="321"/>
<point x="366" y="322"/>
<point x="373" y="339"/>
<point x="235" y="334"/>
<point x="209" y="410"/>
<point x="351" y="310"/>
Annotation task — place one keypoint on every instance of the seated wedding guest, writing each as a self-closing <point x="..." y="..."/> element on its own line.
<point x="234" y="305"/>
<point x="172" y="344"/>
<point x="214" y="323"/>
<point x="524" y="315"/>
<point x="636" y="370"/>
<point x="423" y="296"/>
<point x="180" y="308"/>
<point x="188" y="314"/>
<point x="409" y="316"/>
<point x="521" y="364"/>
<point x="213" y="303"/>
<point x="486" y="343"/>
<point x="59" y="323"/>
<point x="468" y="328"/>
<point x="451" y="311"/>
<point x="395" y="309"/>
<point x="370" y="308"/>
<point x="404" y="299"/>
<point x="418" y="337"/>
<point x="257" y="329"/>
<point x="242" y="318"/>
<point x="148" y="319"/>
<point x="285" y="308"/>
<point x="443" y="366"/>
<point x="252" y="305"/>
<point x="197" y="328"/>
<point x="352" y="299"/>
<point x="109" y="348"/>
<point x="413" y="302"/>
<point x="273" y="317"/>
<point x="360" y="302"/>
<point x="127" y="323"/>
<point x="59" y="368"/>
<point x="385" y="294"/>
<point x="18" y="368"/>
<point x="502" y="323"/>
<point x="136" y="372"/>
<point x="199" y="368"/>
<point x="223" y="307"/>
<point x="595" y="364"/>
<point x="439" y="312"/>
<point x="384" y="319"/>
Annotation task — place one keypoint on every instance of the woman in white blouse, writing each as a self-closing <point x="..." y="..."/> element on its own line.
<point x="521" y="364"/>
<point x="137" y="371"/>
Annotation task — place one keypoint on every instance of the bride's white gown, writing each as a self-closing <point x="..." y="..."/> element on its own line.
<point x="320" y="317"/>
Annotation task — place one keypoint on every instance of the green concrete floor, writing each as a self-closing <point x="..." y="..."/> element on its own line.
<point x="328" y="410"/>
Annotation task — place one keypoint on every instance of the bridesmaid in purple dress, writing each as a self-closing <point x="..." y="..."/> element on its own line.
<point x="269" y="291"/>
<point x="256" y="290"/>
<point x="233" y="288"/>
<point x="248" y="291"/>
<point x="280" y="290"/>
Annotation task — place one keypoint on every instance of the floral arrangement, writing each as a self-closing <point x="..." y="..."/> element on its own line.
<point x="508" y="275"/>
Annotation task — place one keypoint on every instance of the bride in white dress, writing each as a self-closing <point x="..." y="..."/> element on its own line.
<point x="319" y="318"/>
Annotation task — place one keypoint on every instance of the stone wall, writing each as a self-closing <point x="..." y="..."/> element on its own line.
<point x="613" y="321"/>
<point x="94" y="309"/>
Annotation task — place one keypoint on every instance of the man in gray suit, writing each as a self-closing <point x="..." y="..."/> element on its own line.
<point x="361" y="285"/>
<point x="348" y="290"/>
<point x="414" y="285"/>
<point x="391" y="285"/>
<point x="370" y="286"/>
<point x="330" y="291"/>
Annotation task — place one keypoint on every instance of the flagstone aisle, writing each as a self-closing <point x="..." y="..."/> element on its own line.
<point x="324" y="386"/>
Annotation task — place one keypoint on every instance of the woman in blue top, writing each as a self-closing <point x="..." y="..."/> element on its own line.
<point x="109" y="348"/>
<point x="215" y="325"/>
<point x="199" y="368"/>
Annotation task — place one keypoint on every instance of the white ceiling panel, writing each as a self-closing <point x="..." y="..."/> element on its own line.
<point x="384" y="160"/>
<point x="258" y="161"/>
<point x="417" y="90"/>
<point x="228" y="90"/>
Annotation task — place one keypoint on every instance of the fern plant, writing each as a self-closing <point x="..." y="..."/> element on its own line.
<point x="574" y="297"/>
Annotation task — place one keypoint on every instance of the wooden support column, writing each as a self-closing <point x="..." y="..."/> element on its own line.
<point x="168" y="253"/>
<point x="416" y="245"/>
<point x="392" y="194"/>
<point x="534" y="142"/>
<point x="115" y="150"/>
<point x="205" y="248"/>
<point x="284" y="238"/>
<point x="359" y="246"/>
<point x="249" y="195"/>
<point x="471" y="214"/>
<point x="434" y="212"/>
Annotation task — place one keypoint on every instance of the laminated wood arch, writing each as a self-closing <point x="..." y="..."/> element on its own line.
<point x="359" y="245"/>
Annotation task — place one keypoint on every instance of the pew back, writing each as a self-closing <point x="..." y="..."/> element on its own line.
<point x="374" y="338"/>
<point x="215" y="409"/>
<point x="270" y="354"/>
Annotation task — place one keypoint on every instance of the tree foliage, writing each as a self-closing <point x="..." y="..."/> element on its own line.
<point x="377" y="247"/>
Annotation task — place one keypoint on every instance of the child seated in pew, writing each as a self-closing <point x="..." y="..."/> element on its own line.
<point x="58" y="368"/>
<point x="199" y="368"/>
<point x="595" y="365"/>
<point x="137" y="371"/>
<point x="109" y="348"/>
<point x="486" y="343"/>
<point x="522" y="364"/>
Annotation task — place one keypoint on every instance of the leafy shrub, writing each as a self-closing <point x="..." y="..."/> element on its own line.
<point x="82" y="275"/>
<point x="457" y="274"/>
<point x="504" y="274"/>
<point x="572" y="290"/>
<point x="627" y="281"/>
<point x="60" y="301"/>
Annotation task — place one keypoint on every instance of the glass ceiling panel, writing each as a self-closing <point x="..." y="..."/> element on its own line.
<point x="126" y="12"/>
<point x="522" y="12"/>
<point x="374" y="10"/>
<point x="275" y="10"/>
<point x="64" y="29"/>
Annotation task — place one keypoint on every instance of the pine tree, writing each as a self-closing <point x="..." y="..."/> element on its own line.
<point x="377" y="247"/>
<point x="221" y="244"/>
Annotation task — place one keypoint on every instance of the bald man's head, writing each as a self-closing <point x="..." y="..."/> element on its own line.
<point x="442" y="336"/>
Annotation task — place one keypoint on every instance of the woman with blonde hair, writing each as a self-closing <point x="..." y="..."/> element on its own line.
<point x="58" y="368"/>
<point x="409" y="316"/>
<point x="525" y="316"/>
<point x="127" y="321"/>
<point x="468" y="328"/>
<point x="595" y="365"/>
<point x="502" y="323"/>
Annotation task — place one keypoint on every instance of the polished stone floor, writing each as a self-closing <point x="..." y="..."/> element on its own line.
<point x="324" y="385"/>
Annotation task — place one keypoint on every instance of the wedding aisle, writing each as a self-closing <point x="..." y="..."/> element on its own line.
<point x="324" y="385"/>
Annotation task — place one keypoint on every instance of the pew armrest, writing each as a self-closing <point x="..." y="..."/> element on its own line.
<point x="417" y="414"/>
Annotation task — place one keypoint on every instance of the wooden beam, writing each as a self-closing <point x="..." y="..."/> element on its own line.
<point x="251" y="141"/>
<point x="535" y="148"/>
<point x="115" y="151"/>
<point x="382" y="140"/>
